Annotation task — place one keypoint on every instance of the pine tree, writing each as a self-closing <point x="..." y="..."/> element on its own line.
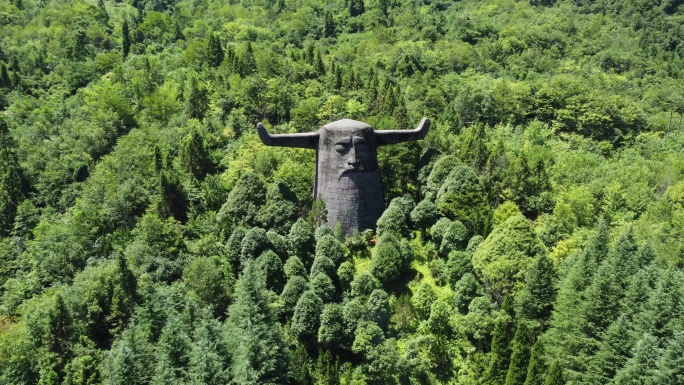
<point x="624" y="258"/>
<point x="641" y="368"/>
<point x="665" y="309"/>
<point x="11" y="180"/>
<point x="535" y="300"/>
<point x="356" y="7"/>
<point x="327" y="370"/>
<point x="502" y="337"/>
<point x="130" y="359"/>
<point x="319" y="68"/>
<point x="329" y="25"/>
<point x="247" y="63"/>
<point x="195" y="157"/>
<point x="602" y="301"/>
<point x="214" y="51"/>
<point x="520" y="356"/>
<point x="259" y="348"/>
<point x="207" y="363"/>
<point x="5" y="81"/>
<point x="671" y="363"/>
<point x="555" y="375"/>
<point x="197" y="102"/>
<point x="537" y="366"/>
<point x="306" y="318"/>
<point x="613" y="351"/>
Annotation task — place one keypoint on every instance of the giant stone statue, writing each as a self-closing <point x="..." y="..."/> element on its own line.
<point x="347" y="177"/>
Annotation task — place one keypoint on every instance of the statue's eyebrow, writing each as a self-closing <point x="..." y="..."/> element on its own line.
<point x="345" y="141"/>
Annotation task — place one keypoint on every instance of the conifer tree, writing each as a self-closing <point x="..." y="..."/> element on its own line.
<point x="247" y="62"/>
<point x="671" y="363"/>
<point x="665" y="310"/>
<point x="624" y="257"/>
<point x="613" y="351"/>
<point x="331" y="332"/>
<point x="602" y="301"/>
<point x="356" y="7"/>
<point x="520" y="355"/>
<point x="329" y="25"/>
<point x="535" y="300"/>
<point x="125" y="39"/>
<point x="641" y="368"/>
<point x="270" y="269"/>
<point x="11" y="180"/>
<point x="319" y="67"/>
<point x="306" y="318"/>
<point x="195" y="157"/>
<point x="502" y="337"/>
<point x="208" y="358"/>
<point x="196" y="97"/>
<point x="5" y="81"/>
<point x="214" y="51"/>
<point x="302" y="242"/>
<point x="537" y="367"/>
<point x="555" y="375"/>
<point x="327" y="370"/>
<point x="260" y="352"/>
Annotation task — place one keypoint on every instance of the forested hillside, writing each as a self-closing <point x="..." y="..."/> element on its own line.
<point x="535" y="237"/>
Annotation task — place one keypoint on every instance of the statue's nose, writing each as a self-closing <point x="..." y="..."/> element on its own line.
<point x="353" y="160"/>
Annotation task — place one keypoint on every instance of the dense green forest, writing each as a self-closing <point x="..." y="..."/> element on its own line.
<point x="535" y="237"/>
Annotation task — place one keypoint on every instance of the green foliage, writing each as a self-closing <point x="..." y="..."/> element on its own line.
<point x="535" y="300"/>
<point x="520" y="355"/>
<point x="259" y="350"/>
<point x="462" y="197"/>
<point x="244" y="201"/>
<point x="131" y="180"/>
<point x="504" y="257"/>
<point x="294" y="267"/>
<point x="423" y="299"/>
<point x="306" y="318"/>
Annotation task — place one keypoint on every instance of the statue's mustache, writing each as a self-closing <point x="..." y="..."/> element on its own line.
<point x="355" y="168"/>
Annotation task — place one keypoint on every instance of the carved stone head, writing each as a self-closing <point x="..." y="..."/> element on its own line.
<point x="347" y="177"/>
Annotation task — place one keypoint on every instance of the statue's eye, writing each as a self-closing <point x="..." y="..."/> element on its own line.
<point x="341" y="147"/>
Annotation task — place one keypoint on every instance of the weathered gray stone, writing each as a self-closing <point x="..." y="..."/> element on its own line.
<point x="347" y="177"/>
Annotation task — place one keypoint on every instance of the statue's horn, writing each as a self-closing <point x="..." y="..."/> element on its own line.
<point x="384" y="137"/>
<point x="305" y="140"/>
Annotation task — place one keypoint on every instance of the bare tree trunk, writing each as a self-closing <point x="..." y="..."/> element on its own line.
<point x="669" y="124"/>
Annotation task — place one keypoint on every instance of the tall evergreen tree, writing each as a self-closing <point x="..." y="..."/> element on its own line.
<point x="196" y="97"/>
<point x="214" y="51"/>
<point x="555" y="375"/>
<point x="11" y="180"/>
<point x="537" y="367"/>
<point x="641" y="368"/>
<point x="671" y="363"/>
<point x="306" y="318"/>
<point x="520" y="356"/>
<point x="5" y="81"/>
<point x="613" y="351"/>
<point x="535" y="300"/>
<point x="195" y="157"/>
<point x="356" y="7"/>
<point x="502" y="338"/>
<point x="259" y="348"/>
<point x="329" y="29"/>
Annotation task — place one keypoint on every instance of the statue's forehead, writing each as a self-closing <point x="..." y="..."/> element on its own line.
<point x="347" y="125"/>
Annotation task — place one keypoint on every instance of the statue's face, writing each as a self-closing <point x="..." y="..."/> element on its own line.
<point x="347" y="150"/>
